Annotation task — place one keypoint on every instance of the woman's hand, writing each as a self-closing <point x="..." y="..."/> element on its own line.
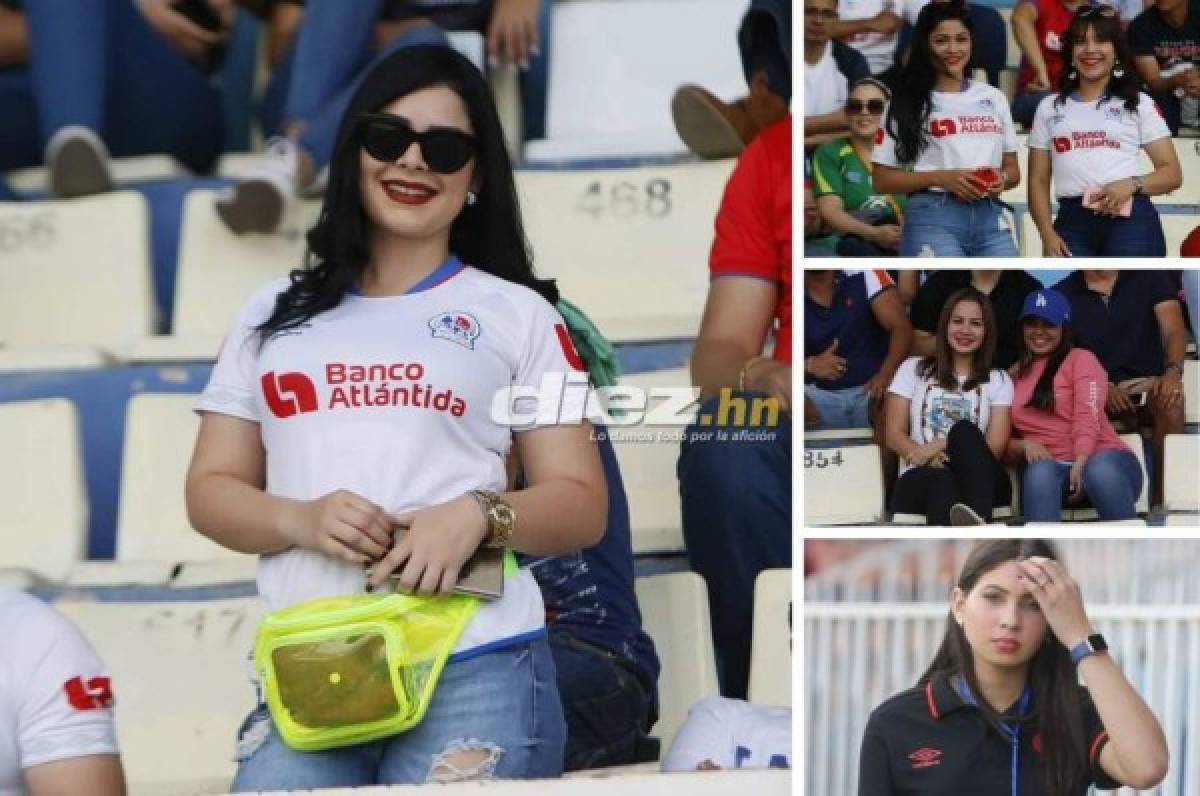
<point x="962" y="183"/>
<point x="927" y="453"/>
<point x="341" y="524"/>
<point x="886" y="236"/>
<point x="1035" y="452"/>
<point x="1075" y="481"/>
<point x="1053" y="245"/>
<point x="1109" y="200"/>
<point x="512" y="34"/>
<point x="184" y="35"/>
<point x="439" y="541"/>
<point x="1058" y="596"/>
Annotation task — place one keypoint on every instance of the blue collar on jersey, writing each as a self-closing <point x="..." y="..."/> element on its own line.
<point x="443" y="272"/>
<point x="1013" y="731"/>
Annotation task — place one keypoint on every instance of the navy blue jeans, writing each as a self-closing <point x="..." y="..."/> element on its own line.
<point x="1089" y="234"/>
<point x="1025" y="106"/>
<point x="737" y="521"/>
<point x="103" y="67"/>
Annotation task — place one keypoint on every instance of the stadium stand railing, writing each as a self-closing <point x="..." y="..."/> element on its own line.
<point x="859" y="654"/>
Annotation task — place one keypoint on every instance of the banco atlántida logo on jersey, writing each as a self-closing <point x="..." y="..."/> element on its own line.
<point x="352" y="385"/>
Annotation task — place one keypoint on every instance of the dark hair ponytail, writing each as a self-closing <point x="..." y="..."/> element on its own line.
<point x="909" y="109"/>
<point x="1057" y="709"/>
<point x="488" y="234"/>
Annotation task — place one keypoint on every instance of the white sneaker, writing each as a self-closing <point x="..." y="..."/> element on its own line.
<point x="77" y="163"/>
<point x="962" y="514"/>
<point x="258" y="200"/>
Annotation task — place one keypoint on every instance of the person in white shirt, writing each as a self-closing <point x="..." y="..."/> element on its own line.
<point x="729" y="734"/>
<point x="948" y="418"/>
<point x="873" y="26"/>
<point x="1087" y="136"/>
<point x="56" y="717"/>
<point x="368" y="393"/>
<point x="950" y="143"/>
<point x="829" y="69"/>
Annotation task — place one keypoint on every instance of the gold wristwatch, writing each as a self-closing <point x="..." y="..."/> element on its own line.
<point x="501" y="519"/>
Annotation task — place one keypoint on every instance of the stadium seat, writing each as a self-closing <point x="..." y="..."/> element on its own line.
<point x="138" y="168"/>
<point x="1191" y="390"/>
<point x="1181" y="468"/>
<point x="152" y="523"/>
<point x="610" y="84"/>
<point x="675" y="615"/>
<point x="1188" y="150"/>
<point x="1030" y="240"/>
<point x="179" y="673"/>
<point x="1134" y="441"/>
<point x="771" y="653"/>
<point x="843" y="486"/>
<point x="43" y="501"/>
<point x="76" y="273"/>
<point x="629" y="246"/>
<point x="839" y="433"/>
<point x="648" y="472"/>
<point x="218" y="272"/>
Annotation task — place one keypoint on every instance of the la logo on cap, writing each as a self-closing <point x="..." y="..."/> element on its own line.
<point x="1041" y="300"/>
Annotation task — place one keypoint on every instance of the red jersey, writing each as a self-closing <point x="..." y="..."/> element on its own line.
<point x="754" y="224"/>
<point x="1053" y="19"/>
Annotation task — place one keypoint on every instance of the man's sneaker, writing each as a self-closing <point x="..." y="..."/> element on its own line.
<point x="715" y="129"/>
<point x="77" y="163"/>
<point x="258" y="200"/>
<point x="962" y="514"/>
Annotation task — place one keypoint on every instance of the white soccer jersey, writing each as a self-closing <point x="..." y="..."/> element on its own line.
<point x="878" y="48"/>
<point x="1093" y="143"/>
<point x="968" y="129"/>
<point x="55" y="694"/>
<point x="391" y="398"/>
<point x="733" y="734"/>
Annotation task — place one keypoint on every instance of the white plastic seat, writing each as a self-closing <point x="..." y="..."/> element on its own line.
<point x="43" y="499"/>
<point x="839" y="433"/>
<point x="179" y="673"/>
<point x="1181" y="472"/>
<point x="843" y="486"/>
<point x="771" y="650"/>
<point x="1191" y="389"/>
<point x="136" y="168"/>
<point x="76" y="273"/>
<point x="152" y="523"/>
<point x="629" y="246"/>
<point x="648" y="472"/>
<point x="611" y="81"/>
<point x="675" y="615"/>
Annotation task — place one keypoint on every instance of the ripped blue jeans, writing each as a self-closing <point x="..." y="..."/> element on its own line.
<point x="494" y="715"/>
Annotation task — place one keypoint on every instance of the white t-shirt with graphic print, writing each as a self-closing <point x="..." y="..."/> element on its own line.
<point x="1094" y="143"/>
<point x="55" y="694"/>
<point x="968" y="129"/>
<point x="391" y="398"/>
<point x="733" y="734"/>
<point x="933" y="410"/>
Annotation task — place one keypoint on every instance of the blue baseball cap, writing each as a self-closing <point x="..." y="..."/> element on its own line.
<point x="1049" y="305"/>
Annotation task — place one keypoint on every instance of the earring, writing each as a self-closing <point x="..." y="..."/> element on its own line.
<point x="1072" y="74"/>
<point x="1118" y="71"/>
<point x="471" y="197"/>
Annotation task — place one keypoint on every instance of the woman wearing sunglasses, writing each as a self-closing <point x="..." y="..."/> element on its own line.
<point x="356" y="397"/>
<point x="868" y="222"/>
<point x="1088" y="136"/>
<point x="950" y="144"/>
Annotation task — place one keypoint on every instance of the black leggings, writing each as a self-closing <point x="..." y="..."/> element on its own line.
<point x="971" y="476"/>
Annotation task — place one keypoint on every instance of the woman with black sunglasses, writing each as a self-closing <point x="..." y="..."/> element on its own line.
<point x="361" y="396"/>
<point x="949" y="143"/>
<point x="868" y="222"/>
<point x="1088" y="136"/>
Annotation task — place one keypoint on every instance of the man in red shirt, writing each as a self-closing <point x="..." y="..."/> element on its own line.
<point x="736" y="492"/>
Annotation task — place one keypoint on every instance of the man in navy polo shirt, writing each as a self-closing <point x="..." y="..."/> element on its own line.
<point x="1133" y="322"/>
<point x="856" y="334"/>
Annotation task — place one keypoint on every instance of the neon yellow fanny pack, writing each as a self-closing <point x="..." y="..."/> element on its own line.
<point x="338" y="671"/>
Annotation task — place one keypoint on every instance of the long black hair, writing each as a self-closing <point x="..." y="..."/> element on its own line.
<point x="1043" y="392"/>
<point x="909" y="109"/>
<point x="488" y="234"/>
<point x="1057" y="710"/>
<point x="1106" y="28"/>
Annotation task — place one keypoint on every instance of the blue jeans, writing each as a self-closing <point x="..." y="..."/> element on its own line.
<point x="607" y="710"/>
<point x="504" y="702"/>
<point x="939" y="225"/>
<point x="737" y="521"/>
<point x="1191" y="291"/>
<point x="840" y="408"/>
<point x="332" y="53"/>
<point x="1089" y="234"/>
<point x="1025" y="106"/>
<point x="100" y="65"/>
<point x="1112" y="480"/>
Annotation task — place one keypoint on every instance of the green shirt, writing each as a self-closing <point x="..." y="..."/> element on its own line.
<point x="837" y="169"/>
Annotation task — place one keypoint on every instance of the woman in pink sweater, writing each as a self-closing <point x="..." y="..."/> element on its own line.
<point x="1060" y="430"/>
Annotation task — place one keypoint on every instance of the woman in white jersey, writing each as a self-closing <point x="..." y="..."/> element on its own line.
<point x="1088" y="136"/>
<point x="358" y="395"/>
<point x="949" y="142"/>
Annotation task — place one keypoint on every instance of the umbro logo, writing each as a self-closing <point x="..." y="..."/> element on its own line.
<point x="925" y="757"/>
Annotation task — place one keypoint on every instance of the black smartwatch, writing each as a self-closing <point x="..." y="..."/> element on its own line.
<point x="1091" y="645"/>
